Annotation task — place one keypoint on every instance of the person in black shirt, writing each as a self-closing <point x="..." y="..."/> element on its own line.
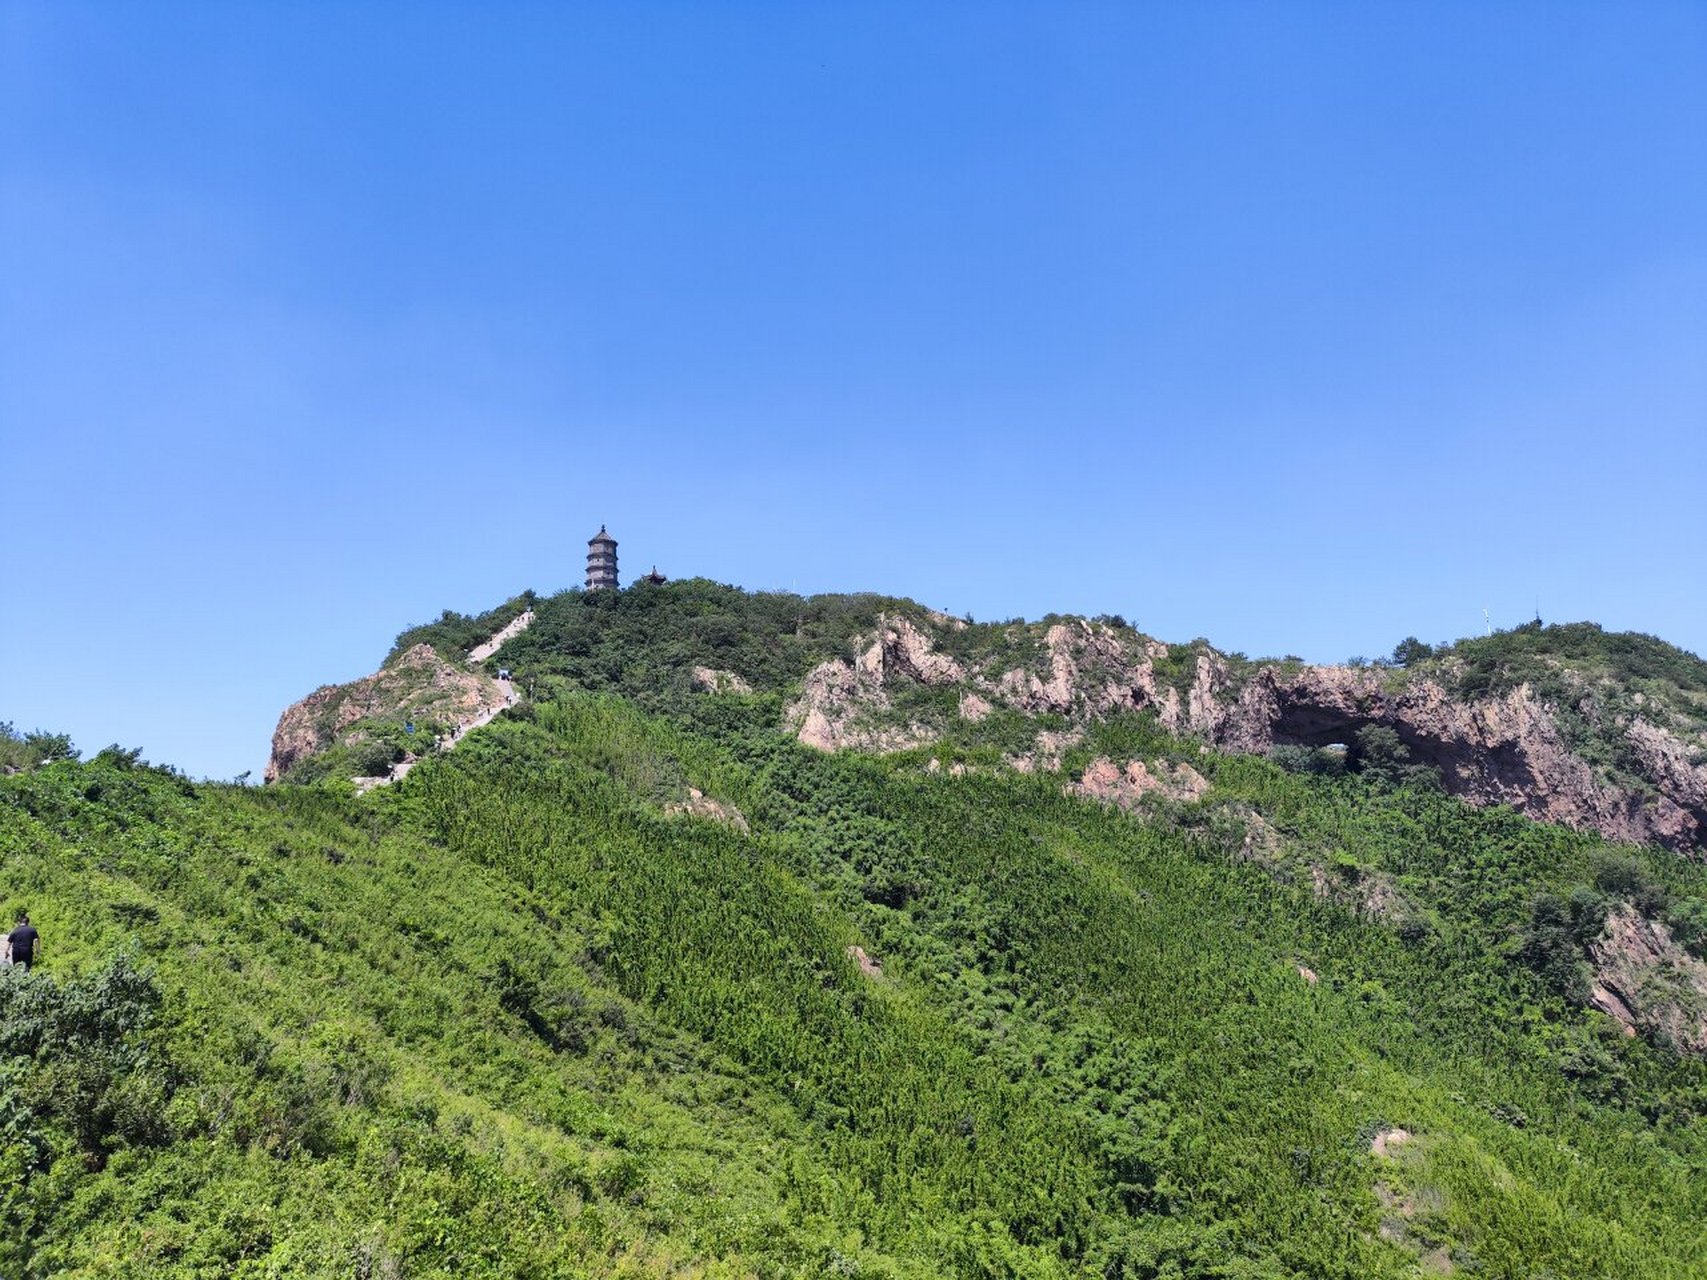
<point x="23" y="942"/>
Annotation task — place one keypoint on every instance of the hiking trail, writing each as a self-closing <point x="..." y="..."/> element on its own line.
<point x="476" y="655"/>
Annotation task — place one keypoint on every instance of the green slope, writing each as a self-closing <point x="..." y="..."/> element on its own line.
<point x="513" y="1017"/>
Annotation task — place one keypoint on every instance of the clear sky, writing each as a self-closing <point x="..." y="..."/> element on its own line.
<point x="1300" y="326"/>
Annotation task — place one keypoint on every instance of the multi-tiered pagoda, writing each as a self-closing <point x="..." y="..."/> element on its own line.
<point x="601" y="561"/>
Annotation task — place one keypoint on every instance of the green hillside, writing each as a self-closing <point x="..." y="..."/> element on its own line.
<point x="1597" y="681"/>
<point x="520" y="1015"/>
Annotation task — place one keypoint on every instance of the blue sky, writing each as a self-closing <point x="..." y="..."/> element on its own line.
<point x="1303" y="327"/>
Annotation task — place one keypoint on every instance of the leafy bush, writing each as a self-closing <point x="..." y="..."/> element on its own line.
<point x="1688" y="921"/>
<point x="1297" y="758"/>
<point x="1624" y="875"/>
<point x="79" y="1055"/>
<point x="1378" y="753"/>
<point x="23" y="751"/>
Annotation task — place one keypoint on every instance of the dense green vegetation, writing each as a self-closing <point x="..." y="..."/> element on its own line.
<point x="380" y="742"/>
<point x="512" y="1018"/>
<point x="1534" y="652"/>
<point x="644" y="642"/>
<point x="520" y="1016"/>
<point x="22" y="751"/>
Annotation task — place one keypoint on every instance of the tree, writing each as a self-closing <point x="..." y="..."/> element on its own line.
<point x="1410" y="651"/>
<point x="1378" y="753"/>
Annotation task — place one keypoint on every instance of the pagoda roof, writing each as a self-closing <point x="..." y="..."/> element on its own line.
<point x="601" y="536"/>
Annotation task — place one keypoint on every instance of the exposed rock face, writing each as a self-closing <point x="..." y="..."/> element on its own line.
<point x="843" y="703"/>
<point x="711" y="680"/>
<point x="418" y="683"/>
<point x="1667" y="761"/>
<point x="1387" y="1141"/>
<point x="1645" y="980"/>
<point x="1505" y="750"/>
<point x="946" y="620"/>
<point x="1051" y="746"/>
<point x="902" y="649"/>
<point x="1499" y="750"/>
<point x="1125" y="787"/>
<point x="974" y="708"/>
<point x="1092" y="673"/>
<point x="700" y="805"/>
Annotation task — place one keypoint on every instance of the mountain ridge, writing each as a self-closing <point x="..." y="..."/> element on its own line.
<point x="1549" y="734"/>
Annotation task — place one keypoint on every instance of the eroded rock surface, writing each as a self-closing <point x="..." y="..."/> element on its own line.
<point x="700" y="805"/>
<point x="1051" y="746"/>
<point x="1126" y="786"/>
<point x="1645" y="980"/>
<point x="1504" y="750"/>
<point x="1093" y="672"/>
<point x="846" y="704"/>
<point x="419" y="683"/>
<point x="710" y="680"/>
<point x="1497" y="750"/>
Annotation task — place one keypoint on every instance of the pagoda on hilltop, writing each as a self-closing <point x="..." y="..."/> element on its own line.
<point x="601" y="561"/>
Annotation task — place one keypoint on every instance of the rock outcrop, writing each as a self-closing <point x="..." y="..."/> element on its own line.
<point x="1646" y="981"/>
<point x="418" y="683"/>
<point x="1512" y="748"/>
<point x="1124" y="787"/>
<point x="700" y="805"/>
<point x="846" y="705"/>
<point x="1507" y="749"/>
<point x="1093" y="672"/>
<point x="711" y="680"/>
<point x="1503" y="750"/>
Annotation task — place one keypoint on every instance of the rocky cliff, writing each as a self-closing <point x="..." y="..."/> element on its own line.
<point x="1505" y="749"/>
<point x="1648" y="983"/>
<point x="417" y="688"/>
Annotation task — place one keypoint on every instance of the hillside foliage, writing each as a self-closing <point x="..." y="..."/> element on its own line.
<point x="521" y="1015"/>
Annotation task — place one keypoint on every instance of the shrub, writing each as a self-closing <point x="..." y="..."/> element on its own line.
<point x="1297" y="758"/>
<point x="91" y="1066"/>
<point x="1688" y="920"/>
<point x="22" y="752"/>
